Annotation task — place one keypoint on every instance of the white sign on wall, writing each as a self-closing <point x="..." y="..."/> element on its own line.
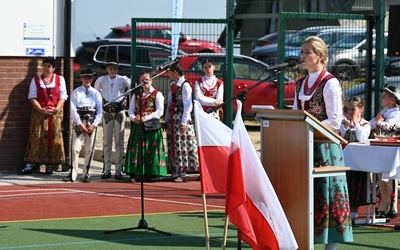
<point x="33" y="28"/>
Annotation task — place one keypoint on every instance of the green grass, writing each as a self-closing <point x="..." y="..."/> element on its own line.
<point x="187" y="233"/>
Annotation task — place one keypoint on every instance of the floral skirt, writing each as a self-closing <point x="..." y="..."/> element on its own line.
<point x="182" y="147"/>
<point x="153" y="153"/>
<point x="44" y="147"/>
<point x="332" y="222"/>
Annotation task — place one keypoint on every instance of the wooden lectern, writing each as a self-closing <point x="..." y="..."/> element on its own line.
<point x="287" y="149"/>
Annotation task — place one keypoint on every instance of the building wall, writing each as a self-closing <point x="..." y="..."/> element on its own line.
<point x="16" y="74"/>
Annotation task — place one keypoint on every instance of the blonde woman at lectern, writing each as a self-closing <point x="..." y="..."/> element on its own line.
<point x="320" y="94"/>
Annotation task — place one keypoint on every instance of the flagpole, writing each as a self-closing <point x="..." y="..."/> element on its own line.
<point x="207" y="232"/>
<point x="225" y="232"/>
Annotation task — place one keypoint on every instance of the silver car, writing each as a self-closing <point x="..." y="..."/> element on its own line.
<point x="348" y="57"/>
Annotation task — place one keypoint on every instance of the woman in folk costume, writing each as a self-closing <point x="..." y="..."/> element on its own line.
<point x="320" y="94"/>
<point x="181" y="138"/>
<point x="152" y="158"/>
<point x="388" y="117"/>
<point x="47" y="94"/>
<point x="354" y="128"/>
<point x="209" y="90"/>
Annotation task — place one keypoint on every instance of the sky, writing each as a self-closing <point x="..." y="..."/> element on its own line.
<point x="98" y="16"/>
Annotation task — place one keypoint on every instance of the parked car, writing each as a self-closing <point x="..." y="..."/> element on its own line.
<point x="247" y="72"/>
<point x="330" y="34"/>
<point x="271" y="38"/>
<point x="348" y="57"/>
<point x="163" y="34"/>
<point x="96" y="53"/>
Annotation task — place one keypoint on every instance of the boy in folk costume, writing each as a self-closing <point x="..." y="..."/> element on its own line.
<point x="86" y="112"/>
<point x="111" y="86"/>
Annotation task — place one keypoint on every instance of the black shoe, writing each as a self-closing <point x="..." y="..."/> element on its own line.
<point x="118" y="176"/>
<point x="26" y="170"/>
<point x="86" y="179"/>
<point x="380" y="214"/>
<point x="106" y="175"/>
<point x="68" y="179"/>
<point x="391" y="214"/>
<point x="49" y="170"/>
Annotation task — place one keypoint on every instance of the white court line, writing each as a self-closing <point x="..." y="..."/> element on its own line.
<point x="149" y="199"/>
<point x="30" y="192"/>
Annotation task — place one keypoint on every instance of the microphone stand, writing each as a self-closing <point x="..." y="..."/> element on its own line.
<point x="242" y="95"/>
<point x="142" y="222"/>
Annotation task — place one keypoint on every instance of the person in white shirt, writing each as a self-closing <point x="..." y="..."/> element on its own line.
<point x="86" y="113"/>
<point x="145" y="106"/>
<point x="47" y="94"/>
<point x="112" y="86"/>
<point x="181" y="138"/>
<point x="209" y="90"/>
<point x="389" y="116"/>
<point x="320" y="94"/>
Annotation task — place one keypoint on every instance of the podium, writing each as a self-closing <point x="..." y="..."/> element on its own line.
<point x="287" y="154"/>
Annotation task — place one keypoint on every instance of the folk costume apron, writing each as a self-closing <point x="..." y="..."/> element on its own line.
<point x="153" y="150"/>
<point x="46" y="145"/>
<point x="332" y="222"/>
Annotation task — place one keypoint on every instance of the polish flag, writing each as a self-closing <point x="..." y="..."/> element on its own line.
<point x="251" y="202"/>
<point x="214" y="139"/>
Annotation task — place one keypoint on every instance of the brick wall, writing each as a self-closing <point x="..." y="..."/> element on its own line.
<point x="16" y="74"/>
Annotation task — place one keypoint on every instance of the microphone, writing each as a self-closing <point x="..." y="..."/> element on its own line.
<point x="278" y="67"/>
<point x="167" y="65"/>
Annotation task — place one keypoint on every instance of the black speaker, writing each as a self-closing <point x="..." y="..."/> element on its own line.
<point x="393" y="48"/>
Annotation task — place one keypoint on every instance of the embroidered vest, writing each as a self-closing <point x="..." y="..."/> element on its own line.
<point x="316" y="105"/>
<point x="148" y="104"/>
<point x="48" y="97"/>
<point x="209" y="92"/>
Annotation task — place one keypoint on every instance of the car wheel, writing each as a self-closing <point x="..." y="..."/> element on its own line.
<point x="344" y="72"/>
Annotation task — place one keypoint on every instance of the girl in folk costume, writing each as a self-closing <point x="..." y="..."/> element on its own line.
<point x="181" y="138"/>
<point x="152" y="158"/>
<point x="47" y="94"/>
<point x="319" y="93"/>
<point x="209" y="90"/>
<point x="388" y="117"/>
<point x="354" y="128"/>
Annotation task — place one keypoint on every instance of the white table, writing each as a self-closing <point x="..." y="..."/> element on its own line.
<point x="375" y="159"/>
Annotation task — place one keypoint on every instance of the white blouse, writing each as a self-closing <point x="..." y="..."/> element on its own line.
<point x="159" y="106"/>
<point x="392" y="117"/>
<point x="209" y="82"/>
<point x="33" y="88"/>
<point x="332" y="97"/>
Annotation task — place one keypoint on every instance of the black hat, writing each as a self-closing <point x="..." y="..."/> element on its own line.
<point x="86" y="72"/>
<point x="393" y="91"/>
<point x="110" y="63"/>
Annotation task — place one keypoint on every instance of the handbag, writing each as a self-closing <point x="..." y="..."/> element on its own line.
<point x="152" y="125"/>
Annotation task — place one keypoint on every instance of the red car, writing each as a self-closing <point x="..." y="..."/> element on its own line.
<point x="247" y="72"/>
<point x="163" y="34"/>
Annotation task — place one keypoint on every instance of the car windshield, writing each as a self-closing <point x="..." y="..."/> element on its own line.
<point x="349" y="41"/>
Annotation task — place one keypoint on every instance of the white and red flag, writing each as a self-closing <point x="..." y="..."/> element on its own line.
<point x="214" y="139"/>
<point x="251" y="202"/>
